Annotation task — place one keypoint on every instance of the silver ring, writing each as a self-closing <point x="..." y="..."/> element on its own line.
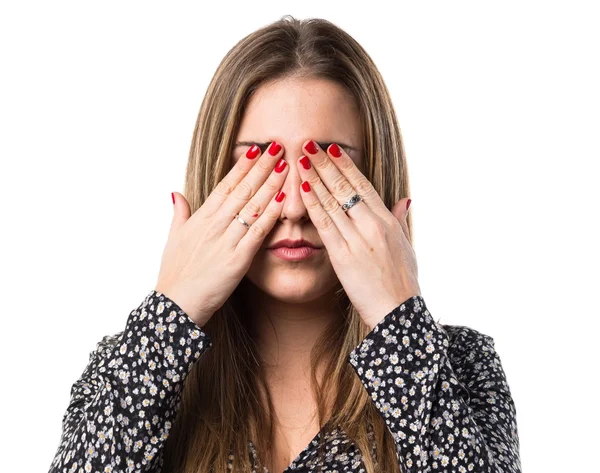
<point x="355" y="199"/>
<point x="241" y="220"/>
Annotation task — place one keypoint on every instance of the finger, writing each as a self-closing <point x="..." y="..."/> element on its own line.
<point x="333" y="182"/>
<point x="258" y="204"/>
<point x="400" y="212"/>
<point x="328" y="230"/>
<point x="337" y="185"/>
<point x="347" y="167"/>
<point x="181" y="211"/>
<point x="405" y="221"/>
<point x="236" y="174"/>
<point x="262" y="226"/>
<point x="269" y="162"/>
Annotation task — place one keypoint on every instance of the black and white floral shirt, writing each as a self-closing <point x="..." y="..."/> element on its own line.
<point x="440" y="389"/>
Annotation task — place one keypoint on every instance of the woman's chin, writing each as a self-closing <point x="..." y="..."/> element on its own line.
<point x="293" y="286"/>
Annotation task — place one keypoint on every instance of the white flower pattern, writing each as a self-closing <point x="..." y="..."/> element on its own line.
<point x="440" y="389"/>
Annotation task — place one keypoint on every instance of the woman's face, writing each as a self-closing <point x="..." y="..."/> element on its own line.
<point x="292" y="111"/>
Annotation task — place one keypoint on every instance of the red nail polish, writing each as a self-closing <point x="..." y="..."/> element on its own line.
<point x="306" y="186"/>
<point x="305" y="162"/>
<point x="335" y="150"/>
<point x="311" y="147"/>
<point x="279" y="197"/>
<point x="255" y="215"/>
<point x="280" y="165"/>
<point x="274" y="148"/>
<point x="408" y="203"/>
<point x="252" y="152"/>
<point x="173" y="197"/>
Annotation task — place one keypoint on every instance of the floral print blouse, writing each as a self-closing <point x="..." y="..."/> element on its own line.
<point x="440" y="389"/>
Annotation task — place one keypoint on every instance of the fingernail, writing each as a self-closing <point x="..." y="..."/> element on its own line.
<point x="252" y="152"/>
<point x="279" y="197"/>
<point x="274" y="148"/>
<point x="173" y="197"/>
<point x="311" y="147"/>
<point x="305" y="162"/>
<point x="281" y="165"/>
<point x="334" y="149"/>
<point x="408" y="204"/>
<point x="306" y="186"/>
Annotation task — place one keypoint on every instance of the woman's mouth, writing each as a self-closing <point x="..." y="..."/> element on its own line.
<point x="294" y="254"/>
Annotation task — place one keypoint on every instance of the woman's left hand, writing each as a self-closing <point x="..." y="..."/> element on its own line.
<point x="368" y="245"/>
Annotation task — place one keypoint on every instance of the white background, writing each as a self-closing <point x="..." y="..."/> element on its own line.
<point x="499" y="110"/>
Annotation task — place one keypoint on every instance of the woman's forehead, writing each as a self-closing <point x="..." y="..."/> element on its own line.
<point x="301" y="109"/>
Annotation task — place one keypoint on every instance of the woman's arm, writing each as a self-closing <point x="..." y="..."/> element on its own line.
<point x="122" y="406"/>
<point x="416" y="373"/>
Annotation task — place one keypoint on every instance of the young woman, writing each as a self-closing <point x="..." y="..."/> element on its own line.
<point x="287" y="330"/>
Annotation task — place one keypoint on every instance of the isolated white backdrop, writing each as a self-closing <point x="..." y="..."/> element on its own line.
<point x="499" y="109"/>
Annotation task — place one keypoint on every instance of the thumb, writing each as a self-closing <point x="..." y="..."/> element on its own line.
<point x="400" y="211"/>
<point x="181" y="210"/>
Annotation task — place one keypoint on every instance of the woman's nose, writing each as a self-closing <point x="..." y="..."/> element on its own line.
<point x="293" y="205"/>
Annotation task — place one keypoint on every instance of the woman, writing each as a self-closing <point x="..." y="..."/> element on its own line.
<point x="319" y="357"/>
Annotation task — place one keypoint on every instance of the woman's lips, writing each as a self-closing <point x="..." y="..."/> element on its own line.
<point x="294" y="254"/>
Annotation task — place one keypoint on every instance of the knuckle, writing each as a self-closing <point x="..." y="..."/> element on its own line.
<point x="325" y="222"/>
<point x="341" y="186"/>
<point x="224" y="188"/>
<point x="272" y="185"/>
<point x="330" y="204"/>
<point x="347" y="164"/>
<point x="314" y="205"/>
<point x="263" y="165"/>
<point x="257" y="231"/>
<point x="243" y="190"/>
<point x="253" y="207"/>
<point x="273" y="212"/>
<point x="314" y="181"/>
<point x="364" y="187"/>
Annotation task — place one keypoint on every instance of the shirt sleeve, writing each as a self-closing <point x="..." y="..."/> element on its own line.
<point x="122" y="406"/>
<point x="447" y="404"/>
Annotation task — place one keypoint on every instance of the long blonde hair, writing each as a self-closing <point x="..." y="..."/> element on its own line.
<point x="225" y="403"/>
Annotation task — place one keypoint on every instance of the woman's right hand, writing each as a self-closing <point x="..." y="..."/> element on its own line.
<point x="207" y="254"/>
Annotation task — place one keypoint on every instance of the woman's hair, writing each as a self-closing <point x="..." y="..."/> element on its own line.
<point x="225" y="401"/>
